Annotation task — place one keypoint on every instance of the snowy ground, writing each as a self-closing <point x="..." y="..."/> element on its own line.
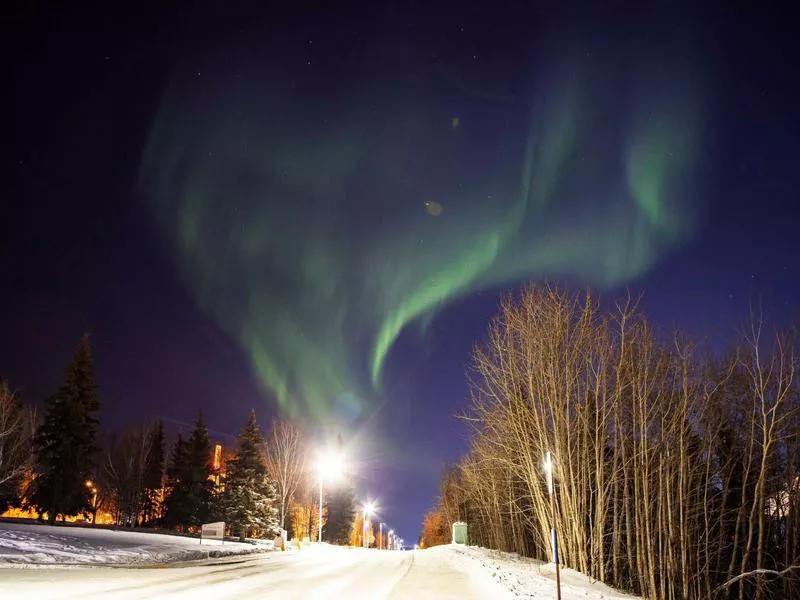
<point x="528" y="578"/>
<point x="34" y="544"/>
<point x="108" y="565"/>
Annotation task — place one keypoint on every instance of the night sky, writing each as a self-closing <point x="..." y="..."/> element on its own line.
<point x="315" y="212"/>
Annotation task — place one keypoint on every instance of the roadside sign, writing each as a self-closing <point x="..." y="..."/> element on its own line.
<point x="460" y="533"/>
<point x="212" y="531"/>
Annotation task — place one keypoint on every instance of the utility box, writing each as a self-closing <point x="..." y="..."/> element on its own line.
<point x="460" y="533"/>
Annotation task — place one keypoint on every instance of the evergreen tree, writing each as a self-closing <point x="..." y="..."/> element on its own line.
<point x="189" y="502"/>
<point x="65" y="441"/>
<point x="175" y="503"/>
<point x="154" y="473"/>
<point x="341" y="507"/>
<point x="249" y="498"/>
<point x="202" y="488"/>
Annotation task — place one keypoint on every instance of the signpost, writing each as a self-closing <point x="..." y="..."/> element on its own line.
<point x="548" y="467"/>
<point x="213" y="531"/>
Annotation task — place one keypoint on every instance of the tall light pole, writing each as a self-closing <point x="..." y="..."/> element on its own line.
<point x="93" y="489"/>
<point x="330" y="465"/>
<point x="369" y="509"/>
<point x="548" y="467"/>
<point x="319" y="533"/>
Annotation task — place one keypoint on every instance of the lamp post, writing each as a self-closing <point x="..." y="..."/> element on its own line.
<point x="369" y="509"/>
<point x="93" y="489"/>
<point x="319" y="533"/>
<point x="329" y="465"/>
<point x="548" y="467"/>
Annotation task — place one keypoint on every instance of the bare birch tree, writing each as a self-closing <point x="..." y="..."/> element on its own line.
<point x="17" y="426"/>
<point x="125" y="469"/>
<point x="676" y="475"/>
<point x="286" y="456"/>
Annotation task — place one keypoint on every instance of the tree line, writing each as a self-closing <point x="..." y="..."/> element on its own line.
<point x="676" y="473"/>
<point x="57" y="466"/>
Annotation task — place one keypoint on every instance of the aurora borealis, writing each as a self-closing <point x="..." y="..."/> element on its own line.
<point x="242" y="206"/>
<point x="317" y="212"/>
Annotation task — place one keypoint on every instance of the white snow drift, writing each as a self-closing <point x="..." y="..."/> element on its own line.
<point x="33" y="544"/>
<point x="526" y="577"/>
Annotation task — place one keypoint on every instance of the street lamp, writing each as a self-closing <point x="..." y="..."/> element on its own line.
<point x="329" y="465"/>
<point x="369" y="509"/>
<point x="548" y="468"/>
<point x="93" y="489"/>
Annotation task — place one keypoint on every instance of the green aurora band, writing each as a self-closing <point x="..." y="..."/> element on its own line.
<point x="301" y="225"/>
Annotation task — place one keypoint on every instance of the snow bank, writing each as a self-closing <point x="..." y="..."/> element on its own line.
<point x="526" y="577"/>
<point x="29" y="544"/>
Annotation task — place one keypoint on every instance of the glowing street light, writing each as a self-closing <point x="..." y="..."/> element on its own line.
<point x="330" y="466"/>
<point x="548" y="469"/>
<point x="369" y="509"/>
<point x="93" y="489"/>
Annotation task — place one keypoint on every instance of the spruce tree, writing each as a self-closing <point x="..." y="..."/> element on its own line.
<point x="175" y="503"/>
<point x="202" y="487"/>
<point x="154" y="472"/>
<point x="189" y="502"/>
<point x="248" y="500"/>
<point x="65" y="441"/>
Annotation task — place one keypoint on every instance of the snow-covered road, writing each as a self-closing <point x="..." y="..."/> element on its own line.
<point x="39" y="562"/>
<point x="321" y="572"/>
